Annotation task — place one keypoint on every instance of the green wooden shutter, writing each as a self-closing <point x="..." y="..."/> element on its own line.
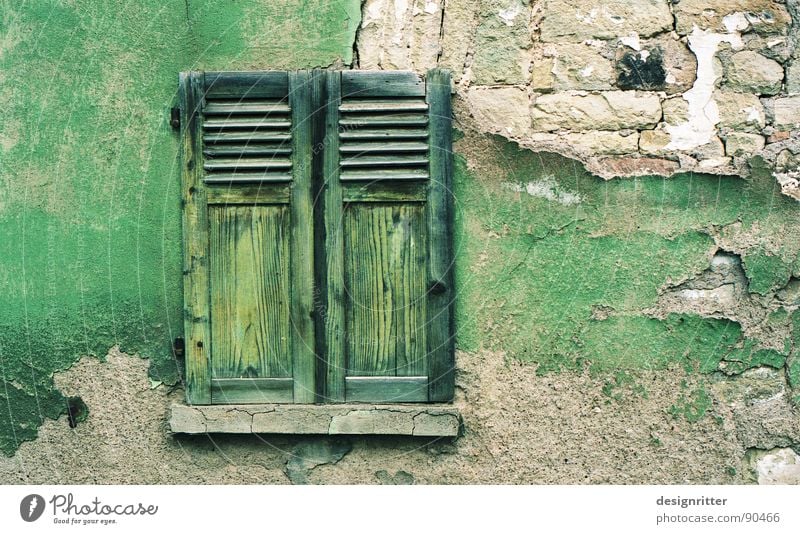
<point x="388" y="277"/>
<point x="248" y="231"/>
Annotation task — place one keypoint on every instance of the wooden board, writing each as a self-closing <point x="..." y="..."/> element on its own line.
<point x="250" y="296"/>
<point x="384" y="252"/>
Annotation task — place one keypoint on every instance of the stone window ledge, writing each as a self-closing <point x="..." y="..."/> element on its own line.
<point x="431" y="420"/>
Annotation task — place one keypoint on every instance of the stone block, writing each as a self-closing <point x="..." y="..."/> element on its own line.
<point x="320" y="419"/>
<point x="765" y="17"/>
<point x="502" y="43"/>
<point x="743" y="144"/>
<point x="750" y="72"/>
<point x="578" y="20"/>
<point x="739" y="111"/>
<point x="786" y="112"/>
<point x="503" y="110"/>
<point x="611" y="110"/>
<point x="580" y="66"/>
<point x="603" y="142"/>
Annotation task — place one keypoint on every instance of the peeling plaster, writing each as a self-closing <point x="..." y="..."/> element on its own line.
<point x="703" y="115"/>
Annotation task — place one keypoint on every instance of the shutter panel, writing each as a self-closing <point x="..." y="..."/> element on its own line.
<point x="248" y="237"/>
<point x="387" y="220"/>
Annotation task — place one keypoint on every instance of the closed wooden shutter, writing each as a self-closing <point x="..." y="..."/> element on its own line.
<point x="248" y="237"/>
<point x="387" y="221"/>
<point x="317" y="235"/>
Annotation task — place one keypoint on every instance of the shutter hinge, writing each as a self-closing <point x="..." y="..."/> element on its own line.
<point x="175" y="118"/>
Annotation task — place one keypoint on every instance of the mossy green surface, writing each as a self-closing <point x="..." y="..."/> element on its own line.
<point x="560" y="268"/>
<point x="90" y="235"/>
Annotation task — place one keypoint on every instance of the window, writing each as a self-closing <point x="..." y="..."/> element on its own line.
<point x="317" y="236"/>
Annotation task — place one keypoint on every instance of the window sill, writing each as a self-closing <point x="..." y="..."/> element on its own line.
<point x="431" y="420"/>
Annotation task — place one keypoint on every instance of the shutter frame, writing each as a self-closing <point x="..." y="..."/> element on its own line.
<point x="419" y="178"/>
<point x="386" y="98"/>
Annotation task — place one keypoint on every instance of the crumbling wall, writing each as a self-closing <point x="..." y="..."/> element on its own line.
<point x="629" y="87"/>
<point x="628" y="276"/>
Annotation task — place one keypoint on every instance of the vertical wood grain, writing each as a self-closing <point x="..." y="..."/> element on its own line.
<point x="249" y="271"/>
<point x="385" y="285"/>
<point x="335" y="356"/>
<point x="302" y="239"/>
<point x="441" y="346"/>
<point x="195" y="239"/>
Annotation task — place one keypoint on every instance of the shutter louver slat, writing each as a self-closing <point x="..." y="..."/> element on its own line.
<point x="380" y="138"/>
<point x="247" y="140"/>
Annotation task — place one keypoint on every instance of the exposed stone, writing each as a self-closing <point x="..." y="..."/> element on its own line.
<point x="772" y="46"/>
<point x="753" y="386"/>
<point x="612" y="110"/>
<point x="777" y="137"/>
<point x="679" y="63"/>
<point x="743" y="144"/>
<point x="761" y="16"/>
<point x="676" y="110"/>
<point x="373" y="422"/>
<point x="793" y="78"/>
<point x="427" y="424"/>
<point x="787" y="161"/>
<point x="459" y="23"/>
<point x="279" y="421"/>
<point x="641" y="70"/>
<point x="397" y="35"/>
<point x="405" y="419"/>
<point x="776" y="466"/>
<point x="653" y="142"/>
<point x="580" y="66"/>
<point x="307" y="455"/>
<point x="615" y="167"/>
<point x="592" y="143"/>
<point x="502" y="43"/>
<point x="750" y="72"/>
<point x="542" y="79"/>
<point x="501" y="110"/>
<point x="739" y="111"/>
<point x="786" y="112"/>
<point x="578" y="20"/>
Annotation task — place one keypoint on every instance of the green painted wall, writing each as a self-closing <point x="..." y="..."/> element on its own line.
<point x="533" y="269"/>
<point x="90" y="211"/>
<point x="89" y="203"/>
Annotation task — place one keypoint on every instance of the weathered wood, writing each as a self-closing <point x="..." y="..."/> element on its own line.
<point x="383" y="147"/>
<point x="225" y="164"/>
<point x="249" y="250"/>
<point x="237" y="106"/>
<point x="409" y="191"/>
<point x="261" y="84"/>
<point x="384" y="252"/>
<point x="242" y="123"/>
<point x="254" y="136"/>
<point x="387" y="389"/>
<point x="381" y="84"/>
<point x="302" y="241"/>
<point x="367" y="106"/>
<point x="384" y="134"/>
<point x="195" y="239"/>
<point x="372" y="120"/>
<point x="251" y="195"/>
<point x="398" y="160"/>
<point x="384" y="174"/>
<point x="441" y="349"/>
<point x="247" y="178"/>
<point x="251" y="390"/>
<point x="248" y="149"/>
<point x="332" y="285"/>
